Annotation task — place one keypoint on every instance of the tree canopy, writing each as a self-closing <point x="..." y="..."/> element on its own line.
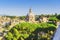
<point x="30" y="31"/>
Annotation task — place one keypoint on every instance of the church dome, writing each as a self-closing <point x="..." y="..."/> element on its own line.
<point x="30" y="16"/>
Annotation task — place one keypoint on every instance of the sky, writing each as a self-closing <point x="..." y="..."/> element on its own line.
<point x="21" y="7"/>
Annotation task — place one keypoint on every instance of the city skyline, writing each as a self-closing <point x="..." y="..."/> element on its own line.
<point x="21" y="7"/>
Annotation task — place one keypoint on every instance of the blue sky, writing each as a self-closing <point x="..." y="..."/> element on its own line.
<point x="21" y="7"/>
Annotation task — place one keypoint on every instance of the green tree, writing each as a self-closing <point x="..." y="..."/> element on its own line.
<point x="58" y="16"/>
<point x="9" y="36"/>
<point x="14" y="38"/>
<point x="52" y="18"/>
<point x="15" y="33"/>
<point x="22" y="17"/>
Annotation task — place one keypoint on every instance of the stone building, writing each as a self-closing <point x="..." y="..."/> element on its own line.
<point x="30" y="16"/>
<point x="43" y="19"/>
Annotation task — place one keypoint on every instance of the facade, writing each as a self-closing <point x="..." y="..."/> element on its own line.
<point x="30" y="16"/>
<point x="43" y="19"/>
